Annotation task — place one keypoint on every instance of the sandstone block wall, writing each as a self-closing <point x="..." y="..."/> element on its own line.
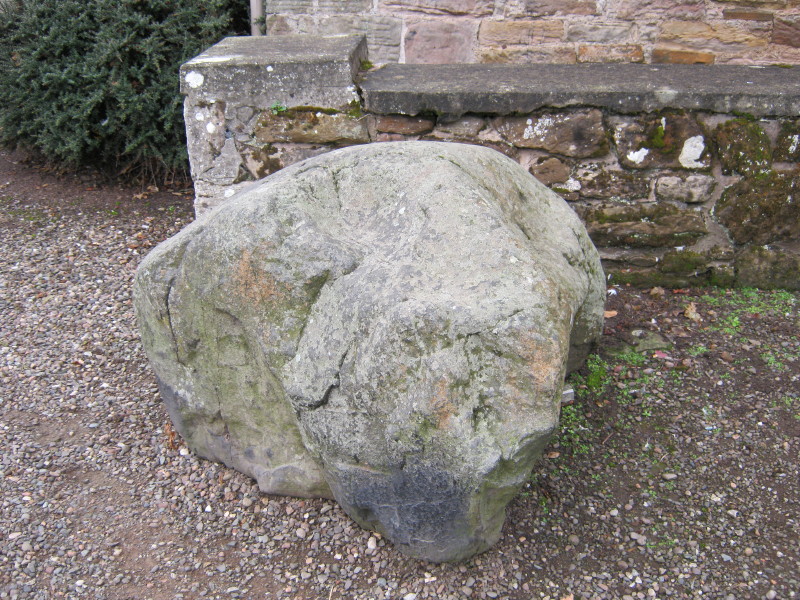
<point x="677" y="184"/>
<point x="554" y="31"/>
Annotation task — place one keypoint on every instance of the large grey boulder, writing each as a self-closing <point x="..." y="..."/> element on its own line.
<point x="388" y="323"/>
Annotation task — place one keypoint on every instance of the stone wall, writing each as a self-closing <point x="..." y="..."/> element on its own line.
<point x="554" y="31"/>
<point x="683" y="175"/>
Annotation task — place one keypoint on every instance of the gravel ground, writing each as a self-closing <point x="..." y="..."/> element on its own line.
<point x="675" y="474"/>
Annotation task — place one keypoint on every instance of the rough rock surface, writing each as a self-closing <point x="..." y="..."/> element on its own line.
<point x="397" y="316"/>
<point x="743" y="147"/>
<point x="643" y="225"/>
<point x="761" y="210"/>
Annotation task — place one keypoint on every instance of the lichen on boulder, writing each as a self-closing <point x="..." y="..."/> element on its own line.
<point x="388" y="323"/>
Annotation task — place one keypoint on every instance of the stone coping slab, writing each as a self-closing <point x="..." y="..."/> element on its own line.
<point x="506" y="89"/>
<point x="292" y="70"/>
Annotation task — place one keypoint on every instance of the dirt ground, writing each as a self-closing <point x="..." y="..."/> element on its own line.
<point x="675" y="473"/>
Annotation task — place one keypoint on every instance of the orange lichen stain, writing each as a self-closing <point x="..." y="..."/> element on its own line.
<point x="255" y="284"/>
<point x="443" y="407"/>
<point x="543" y="358"/>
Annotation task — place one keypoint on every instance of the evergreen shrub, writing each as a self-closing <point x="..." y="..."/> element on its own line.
<point x="95" y="82"/>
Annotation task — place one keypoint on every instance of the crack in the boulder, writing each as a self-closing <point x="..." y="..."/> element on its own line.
<point x="335" y="179"/>
<point x="317" y="292"/>
<point x="326" y="396"/>
<point x="508" y="318"/>
<point x="337" y="381"/>
<point x="170" y="285"/>
<point x="524" y="230"/>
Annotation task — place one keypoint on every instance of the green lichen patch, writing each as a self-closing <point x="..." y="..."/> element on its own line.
<point x="657" y="139"/>
<point x="723" y="276"/>
<point x="762" y="209"/>
<point x="643" y="225"/>
<point x="309" y="125"/>
<point x="787" y="147"/>
<point x="768" y="267"/>
<point x="743" y="147"/>
<point x="683" y="262"/>
<point x="653" y="277"/>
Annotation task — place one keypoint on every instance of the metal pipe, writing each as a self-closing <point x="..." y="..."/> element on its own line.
<point x="256" y="15"/>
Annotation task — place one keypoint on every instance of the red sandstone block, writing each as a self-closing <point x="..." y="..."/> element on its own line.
<point x="661" y="9"/>
<point x="403" y="124"/>
<point x="786" y="31"/>
<point x="747" y="14"/>
<point x="536" y="53"/>
<point x="518" y="33"/>
<point x="716" y="35"/>
<point x="393" y="137"/>
<point x="542" y="8"/>
<point x="682" y="57"/>
<point x="611" y="53"/>
<point x="606" y="32"/>
<point x="476" y="8"/>
<point x="440" y="41"/>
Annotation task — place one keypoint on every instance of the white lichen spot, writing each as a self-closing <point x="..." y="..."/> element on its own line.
<point x="194" y="79"/>
<point x="528" y="133"/>
<point x="538" y="130"/>
<point x="211" y="128"/>
<point x="693" y="149"/>
<point x="270" y="69"/>
<point x="199" y="116"/>
<point x="229" y="193"/>
<point x="795" y="144"/>
<point x="638" y="156"/>
<point x="402" y="210"/>
<point x="513" y="260"/>
<point x="573" y="185"/>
